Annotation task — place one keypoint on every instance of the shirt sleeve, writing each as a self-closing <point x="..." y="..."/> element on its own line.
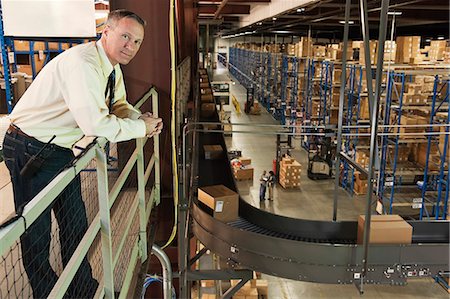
<point x="121" y="107"/>
<point x="82" y="91"/>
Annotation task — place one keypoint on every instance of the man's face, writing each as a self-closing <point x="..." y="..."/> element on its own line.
<point x="122" y="41"/>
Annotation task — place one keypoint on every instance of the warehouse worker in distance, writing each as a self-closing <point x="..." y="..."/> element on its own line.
<point x="80" y="92"/>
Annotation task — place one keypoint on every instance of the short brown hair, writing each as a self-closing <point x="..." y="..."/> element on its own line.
<point x="116" y="15"/>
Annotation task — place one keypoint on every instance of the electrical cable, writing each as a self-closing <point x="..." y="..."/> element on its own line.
<point x="172" y="121"/>
<point x="149" y="279"/>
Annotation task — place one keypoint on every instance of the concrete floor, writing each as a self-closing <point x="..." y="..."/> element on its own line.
<point x="313" y="200"/>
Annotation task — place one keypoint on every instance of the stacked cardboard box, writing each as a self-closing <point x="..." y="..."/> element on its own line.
<point x="411" y="130"/>
<point x="290" y="49"/>
<point x="437" y="50"/>
<point x="303" y="48"/>
<point x="290" y="171"/>
<point x="223" y="202"/>
<point x="426" y="83"/>
<point x="419" y="153"/>
<point x="447" y="58"/>
<point x="242" y="168"/>
<point x="402" y="153"/>
<point x="385" y="229"/>
<point x="390" y="50"/>
<point x="319" y="51"/>
<point x="364" y="108"/>
<point x="373" y="51"/>
<point x="407" y="47"/>
<point x="360" y="184"/>
<point x="362" y="157"/>
<point x="413" y="94"/>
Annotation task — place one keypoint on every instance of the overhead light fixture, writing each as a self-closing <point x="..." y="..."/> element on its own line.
<point x="259" y="23"/>
<point x="395" y="13"/>
<point x="349" y="22"/>
<point x="440" y="37"/>
<point x="428" y="40"/>
<point x="274" y="19"/>
<point x="302" y="9"/>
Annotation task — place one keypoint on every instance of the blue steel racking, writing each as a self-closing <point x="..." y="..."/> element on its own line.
<point x="393" y="177"/>
<point x="325" y="90"/>
<point x="289" y="90"/>
<point x="439" y="182"/>
<point x="353" y="86"/>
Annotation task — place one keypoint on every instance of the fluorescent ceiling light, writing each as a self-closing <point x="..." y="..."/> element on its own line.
<point x="428" y="40"/>
<point x="440" y="37"/>
<point x="394" y="13"/>
<point x="301" y="9"/>
<point x="274" y="19"/>
<point x="350" y="22"/>
<point x="259" y="23"/>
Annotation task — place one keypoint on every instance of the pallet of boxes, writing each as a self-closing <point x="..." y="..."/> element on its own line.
<point x="290" y="171"/>
<point x="242" y="168"/>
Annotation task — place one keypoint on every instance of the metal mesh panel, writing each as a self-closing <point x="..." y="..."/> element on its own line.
<point x="14" y="280"/>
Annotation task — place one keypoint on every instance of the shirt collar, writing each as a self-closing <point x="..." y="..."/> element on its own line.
<point x="106" y="65"/>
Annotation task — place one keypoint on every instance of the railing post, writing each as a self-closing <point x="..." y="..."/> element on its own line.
<point x="105" y="222"/>
<point x="141" y="195"/>
<point x="157" y="187"/>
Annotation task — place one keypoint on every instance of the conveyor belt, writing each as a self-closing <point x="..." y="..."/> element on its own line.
<point x="317" y="251"/>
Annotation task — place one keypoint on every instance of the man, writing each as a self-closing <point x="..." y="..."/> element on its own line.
<point x="80" y="92"/>
<point x="263" y="185"/>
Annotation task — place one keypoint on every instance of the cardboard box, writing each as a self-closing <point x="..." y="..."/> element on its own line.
<point x="245" y="173"/>
<point x="245" y="161"/>
<point x="385" y="229"/>
<point x="207" y="110"/>
<point x="207" y="98"/>
<point x="213" y="152"/>
<point x="223" y="201"/>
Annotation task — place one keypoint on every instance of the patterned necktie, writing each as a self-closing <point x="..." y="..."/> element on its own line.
<point x="110" y="87"/>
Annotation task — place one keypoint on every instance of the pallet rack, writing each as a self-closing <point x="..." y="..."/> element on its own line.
<point x="352" y="108"/>
<point x="435" y="187"/>
<point x="408" y="178"/>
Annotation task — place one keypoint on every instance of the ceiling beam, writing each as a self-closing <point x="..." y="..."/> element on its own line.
<point x="220" y="8"/>
<point x="229" y="9"/>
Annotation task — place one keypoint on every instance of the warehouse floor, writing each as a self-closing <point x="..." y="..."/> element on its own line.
<point x="313" y="200"/>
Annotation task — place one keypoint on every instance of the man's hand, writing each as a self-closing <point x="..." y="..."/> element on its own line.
<point x="153" y="125"/>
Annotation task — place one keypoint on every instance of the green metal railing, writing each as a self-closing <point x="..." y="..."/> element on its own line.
<point x="140" y="208"/>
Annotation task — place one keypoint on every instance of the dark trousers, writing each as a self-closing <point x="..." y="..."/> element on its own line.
<point x="262" y="192"/>
<point x="68" y="208"/>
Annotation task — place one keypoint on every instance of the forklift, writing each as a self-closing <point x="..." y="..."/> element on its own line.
<point x="321" y="155"/>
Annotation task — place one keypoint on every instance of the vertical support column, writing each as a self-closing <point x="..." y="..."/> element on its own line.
<point x="373" y="107"/>
<point x="341" y="110"/>
<point x="105" y="222"/>
<point x="5" y="59"/>
<point x="141" y="195"/>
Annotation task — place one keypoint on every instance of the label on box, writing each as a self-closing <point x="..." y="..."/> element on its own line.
<point x="416" y="205"/>
<point x="10" y="57"/>
<point x="219" y="206"/>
